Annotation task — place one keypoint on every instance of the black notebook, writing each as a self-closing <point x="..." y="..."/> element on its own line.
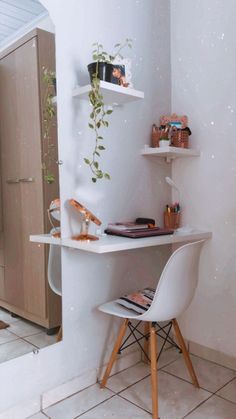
<point x="145" y="232"/>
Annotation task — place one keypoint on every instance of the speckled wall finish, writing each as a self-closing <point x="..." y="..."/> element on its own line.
<point x="203" y="51"/>
<point x="137" y="186"/>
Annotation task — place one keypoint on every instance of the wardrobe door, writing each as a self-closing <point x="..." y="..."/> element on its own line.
<point x="22" y="179"/>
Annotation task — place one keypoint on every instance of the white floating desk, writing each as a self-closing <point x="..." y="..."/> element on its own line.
<point x="108" y="244"/>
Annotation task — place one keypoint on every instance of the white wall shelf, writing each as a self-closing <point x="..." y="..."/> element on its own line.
<point x="108" y="244"/>
<point x="170" y="153"/>
<point x="112" y="93"/>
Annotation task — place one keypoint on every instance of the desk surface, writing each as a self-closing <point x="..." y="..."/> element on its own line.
<point x="107" y="243"/>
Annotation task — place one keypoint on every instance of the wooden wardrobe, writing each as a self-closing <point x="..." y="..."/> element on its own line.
<point x="24" y="194"/>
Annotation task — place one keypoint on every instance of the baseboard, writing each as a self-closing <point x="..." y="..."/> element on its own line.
<point x="212" y="355"/>
<point x="22" y="410"/>
<point x="85" y="380"/>
<point x="30" y="407"/>
<point x="67" y="389"/>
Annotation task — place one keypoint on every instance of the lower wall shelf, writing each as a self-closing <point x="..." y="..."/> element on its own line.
<point x="170" y="152"/>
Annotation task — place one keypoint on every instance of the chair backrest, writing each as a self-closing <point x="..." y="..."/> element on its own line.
<point x="54" y="268"/>
<point x="177" y="284"/>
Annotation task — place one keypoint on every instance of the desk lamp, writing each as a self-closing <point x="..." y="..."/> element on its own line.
<point x="54" y="211"/>
<point x="186" y="228"/>
<point x="173" y="185"/>
<point x="87" y="216"/>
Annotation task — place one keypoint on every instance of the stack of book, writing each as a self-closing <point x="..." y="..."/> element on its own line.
<point x="135" y="230"/>
<point x="139" y="301"/>
<point x="126" y="226"/>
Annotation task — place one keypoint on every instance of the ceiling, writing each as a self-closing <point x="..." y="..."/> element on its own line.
<point x="17" y="14"/>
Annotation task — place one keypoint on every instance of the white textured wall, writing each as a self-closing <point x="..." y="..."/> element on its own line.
<point x="203" y="47"/>
<point x="136" y="188"/>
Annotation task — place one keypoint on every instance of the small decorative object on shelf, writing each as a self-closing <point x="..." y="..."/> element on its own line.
<point x="172" y="216"/>
<point x="173" y="128"/>
<point x="164" y="142"/>
<point x="179" y="130"/>
<point x="102" y="69"/>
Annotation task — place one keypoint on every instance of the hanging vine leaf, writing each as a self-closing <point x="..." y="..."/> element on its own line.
<point x="49" y="113"/>
<point x="99" y="114"/>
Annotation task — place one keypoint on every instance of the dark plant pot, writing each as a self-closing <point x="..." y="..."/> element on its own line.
<point x="104" y="71"/>
<point x="54" y="81"/>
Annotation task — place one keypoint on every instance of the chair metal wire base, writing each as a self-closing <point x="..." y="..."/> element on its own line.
<point x="139" y="336"/>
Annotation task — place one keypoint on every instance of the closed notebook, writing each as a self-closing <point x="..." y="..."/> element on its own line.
<point x="139" y="301"/>
<point x="141" y="232"/>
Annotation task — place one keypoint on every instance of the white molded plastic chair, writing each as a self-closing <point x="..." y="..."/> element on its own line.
<point x="54" y="274"/>
<point x="174" y="293"/>
<point x="54" y="268"/>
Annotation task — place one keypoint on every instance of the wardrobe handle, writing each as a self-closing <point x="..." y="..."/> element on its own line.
<point x="26" y="179"/>
<point x="16" y="180"/>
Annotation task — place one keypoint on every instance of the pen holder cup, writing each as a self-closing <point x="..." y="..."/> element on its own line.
<point x="180" y="138"/>
<point x="172" y="220"/>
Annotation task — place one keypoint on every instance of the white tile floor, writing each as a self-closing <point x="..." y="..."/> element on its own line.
<point x="21" y="337"/>
<point x="128" y="395"/>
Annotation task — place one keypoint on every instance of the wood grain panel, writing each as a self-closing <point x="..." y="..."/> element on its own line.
<point x="26" y="288"/>
<point x="2" y="283"/>
<point x="10" y="169"/>
<point x="1" y="251"/>
<point x="46" y="59"/>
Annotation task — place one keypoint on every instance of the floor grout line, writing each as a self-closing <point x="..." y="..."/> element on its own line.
<point x="46" y="416"/>
<point x="186" y="381"/>
<point x="73" y="394"/>
<point x="213" y="394"/>
<point x="89" y="410"/>
<point x="134" y="404"/>
<point x="125" y="369"/>
<point x="195" y="408"/>
<point x="213" y="362"/>
<point x="203" y="388"/>
<point x="126" y="388"/>
<point x="223" y="398"/>
<point x="118" y="394"/>
<point x="224" y="385"/>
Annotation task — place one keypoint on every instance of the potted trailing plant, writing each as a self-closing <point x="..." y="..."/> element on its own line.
<point x="49" y="113"/>
<point x="104" y="64"/>
<point x="101" y="69"/>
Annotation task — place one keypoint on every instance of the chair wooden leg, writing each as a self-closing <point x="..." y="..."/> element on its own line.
<point x="187" y="359"/>
<point x="146" y="342"/>
<point x="59" y="335"/>
<point x="153" y="348"/>
<point x="114" y="352"/>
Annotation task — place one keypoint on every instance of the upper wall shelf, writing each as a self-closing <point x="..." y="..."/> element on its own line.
<point x="169" y="152"/>
<point x="112" y="93"/>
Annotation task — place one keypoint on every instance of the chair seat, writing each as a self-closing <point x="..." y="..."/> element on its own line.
<point x="118" y="310"/>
